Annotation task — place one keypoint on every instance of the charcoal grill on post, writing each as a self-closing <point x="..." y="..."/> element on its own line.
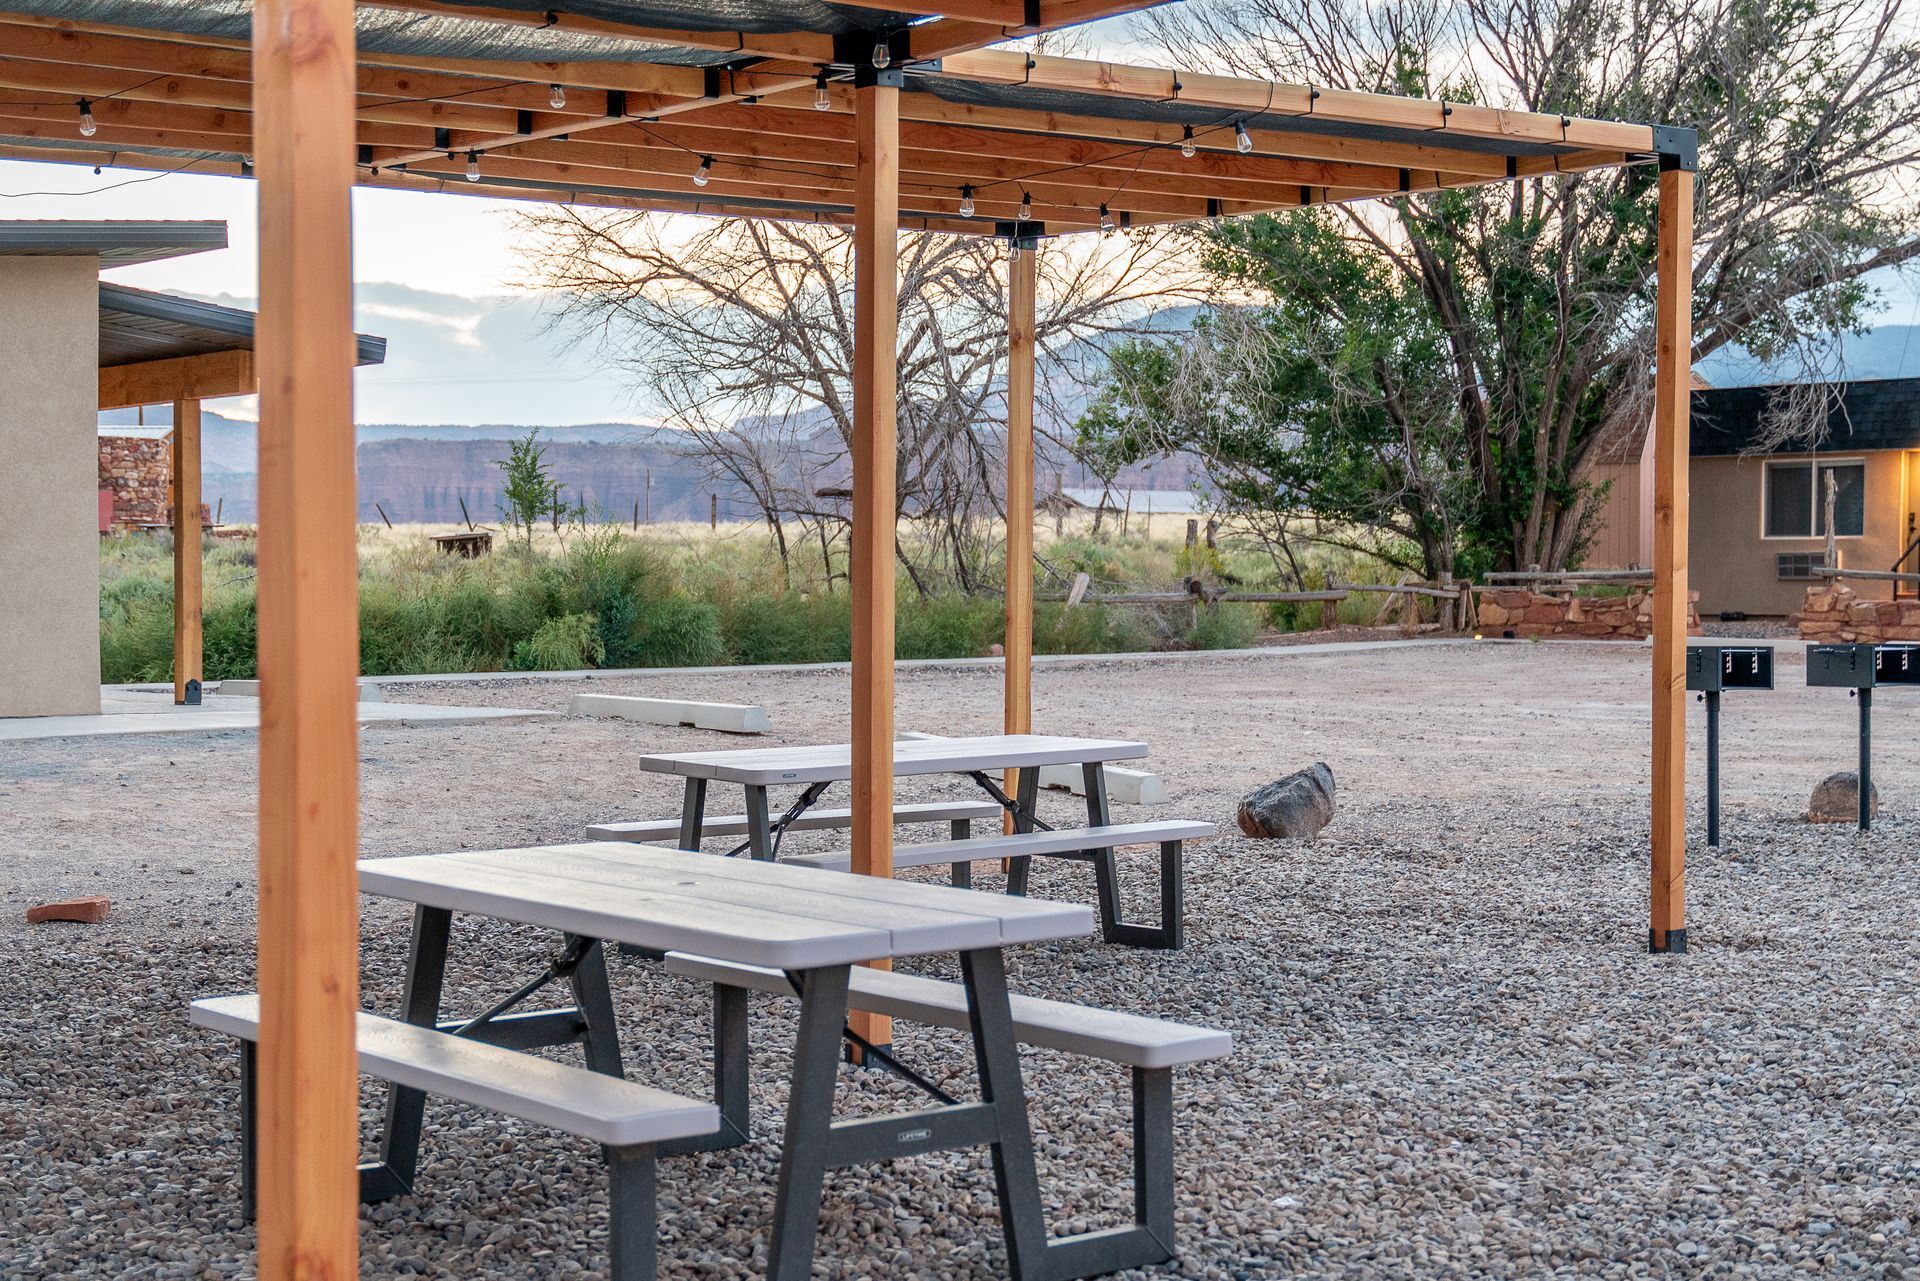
<point x="1862" y="669"/>
<point x="1711" y="669"/>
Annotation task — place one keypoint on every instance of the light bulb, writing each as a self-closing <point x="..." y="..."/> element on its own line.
<point x="1106" y="219"/>
<point x="87" y="125"/>
<point x="966" y="202"/>
<point x="1026" y="207"/>
<point x="1186" y="143"/>
<point x="556" y="96"/>
<point x="882" y="56"/>
<point x="704" y="172"/>
<point x="1013" y="251"/>
<point x="1241" y="142"/>
<point x="822" y="100"/>
<point x="473" y="166"/>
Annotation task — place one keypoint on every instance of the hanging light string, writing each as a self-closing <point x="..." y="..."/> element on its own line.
<point x="182" y="167"/>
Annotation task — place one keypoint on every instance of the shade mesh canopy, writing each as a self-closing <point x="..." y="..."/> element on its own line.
<point x="391" y="32"/>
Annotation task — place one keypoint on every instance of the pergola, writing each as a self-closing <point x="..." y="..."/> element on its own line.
<point x="875" y="115"/>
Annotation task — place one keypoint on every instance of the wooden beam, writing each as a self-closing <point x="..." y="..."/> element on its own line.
<point x="1672" y="375"/>
<point x="217" y="60"/>
<point x="155" y="382"/>
<point x="185" y="486"/>
<point x="307" y="1095"/>
<point x="1023" y="273"/>
<point x="876" y="295"/>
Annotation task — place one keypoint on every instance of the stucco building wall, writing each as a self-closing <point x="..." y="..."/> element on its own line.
<point x="49" y="509"/>
<point x="1734" y="568"/>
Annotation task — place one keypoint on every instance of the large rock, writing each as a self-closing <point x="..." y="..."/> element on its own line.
<point x="1293" y="808"/>
<point x="1836" y="799"/>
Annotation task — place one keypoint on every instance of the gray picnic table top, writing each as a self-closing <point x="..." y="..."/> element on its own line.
<point x="833" y="762"/>
<point x="753" y="913"/>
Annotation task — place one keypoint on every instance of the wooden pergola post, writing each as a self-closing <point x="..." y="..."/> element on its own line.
<point x="1022" y="285"/>
<point x="876" y="320"/>
<point x="1673" y="369"/>
<point x="308" y="1143"/>
<point x="185" y="484"/>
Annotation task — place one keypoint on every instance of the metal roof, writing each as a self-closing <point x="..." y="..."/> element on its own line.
<point x="137" y="325"/>
<point x="119" y="244"/>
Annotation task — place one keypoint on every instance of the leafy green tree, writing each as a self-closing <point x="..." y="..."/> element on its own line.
<point x="530" y="491"/>
<point x="1436" y="373"/>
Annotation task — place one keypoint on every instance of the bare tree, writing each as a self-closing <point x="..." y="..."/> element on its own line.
<point x="743" y="331"/>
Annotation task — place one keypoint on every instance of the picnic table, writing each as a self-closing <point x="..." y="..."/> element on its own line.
<point x="809" y="927"/>
<point x="816" y="768"/>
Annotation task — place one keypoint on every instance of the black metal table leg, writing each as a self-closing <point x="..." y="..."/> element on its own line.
<point x="594" y="1000"/>
<point x="1026" y="798"/>
<point x="392" y="1175"/>
<point x="1713" y="767"/>
<point x="693" y="813"/>
<point x="1106" y="871"/>
<point x="1865" y="773"/>
<point x="803" y="1155"/>
<point x="997" y="1057"/>
<point x="759" y="825"/>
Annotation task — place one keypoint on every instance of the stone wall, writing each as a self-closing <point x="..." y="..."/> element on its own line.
<point x="137" y="469"/>
<point x="1837" y="614"/>
<point x="1518" y="612"/>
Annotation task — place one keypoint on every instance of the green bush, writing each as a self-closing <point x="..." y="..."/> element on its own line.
<point x="1224" y="627"/>
<point x="947" y="626"/>
<point x="1092" y="629"/>
<point x="229" y="635"/>
<point x="789" y="629"/>
<point x="676" y="632"/>
<point x="563" y="644"/>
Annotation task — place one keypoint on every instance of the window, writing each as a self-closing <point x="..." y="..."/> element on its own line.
<point x="1795" y="500"/>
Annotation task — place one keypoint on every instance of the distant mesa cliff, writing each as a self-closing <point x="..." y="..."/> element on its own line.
<point x="421" y="475"/>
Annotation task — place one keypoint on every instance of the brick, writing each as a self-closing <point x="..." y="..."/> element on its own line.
<point x="86" y="911"/>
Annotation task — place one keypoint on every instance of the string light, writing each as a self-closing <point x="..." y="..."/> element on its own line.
<point x="1186" y="143"/>
<point x="556" y="96"/>
<point x="1026" y="207"/>
<point x="1241" y="142"/>
<point x="704" y="172"/>
<point x="966" y="202"/>
<point x="1106" y="219"/>
<point x="1013" y="251"/>
<point x="822" y="100"/>
<point x="473" y="166"/>
<point x="87" y="125"/>
<point x="882" y="56"/>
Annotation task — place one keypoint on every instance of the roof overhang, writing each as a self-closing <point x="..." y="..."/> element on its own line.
<point x="156" y="348"/>
<point x="115" y="244"/>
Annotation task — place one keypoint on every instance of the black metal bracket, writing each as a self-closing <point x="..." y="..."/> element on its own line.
<point x="617" y="102"/>
<point x="1677" y="148"/>
<point x="1676" y="942"/>
<point x="1022" y="235"/>
<point x="191" y="695"/>
<point x="868" y="76"/>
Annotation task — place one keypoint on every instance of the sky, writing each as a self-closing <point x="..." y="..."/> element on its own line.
<point x="440" y="278"/>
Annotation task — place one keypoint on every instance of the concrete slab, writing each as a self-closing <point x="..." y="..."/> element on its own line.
<point x="125" y="711"/>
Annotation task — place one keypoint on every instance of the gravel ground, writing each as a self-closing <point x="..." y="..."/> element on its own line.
<point x="1453" y="1057"/>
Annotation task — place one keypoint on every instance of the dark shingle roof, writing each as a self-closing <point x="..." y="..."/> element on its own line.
<point x="1878" y="414"/>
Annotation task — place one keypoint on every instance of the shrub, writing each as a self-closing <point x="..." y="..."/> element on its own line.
<point x="947" y="626"/>
<point x="562" y="644"/>
<point x="676" y="632"/>
<point x="230" y="634"/>
<point x="1224" y="627"/>
<point x="789" y="629"/>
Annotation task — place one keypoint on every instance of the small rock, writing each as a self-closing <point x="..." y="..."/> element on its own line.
<point x="1295" y="807"/>
<point x="1836" y="799"/>
<point x="87" y="911"/>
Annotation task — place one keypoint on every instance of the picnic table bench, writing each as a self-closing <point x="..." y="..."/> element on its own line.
<point x="625" y="1118"/>
<point x="811" y="929"/>
<point x="816" y="768"/>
